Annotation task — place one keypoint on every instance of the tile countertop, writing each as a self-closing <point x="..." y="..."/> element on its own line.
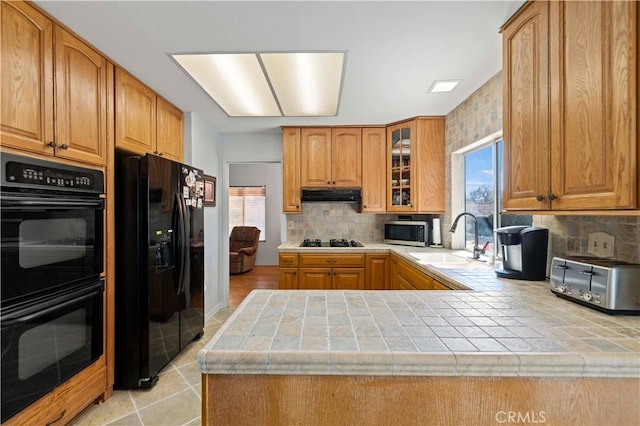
<point x="500" y="328"/>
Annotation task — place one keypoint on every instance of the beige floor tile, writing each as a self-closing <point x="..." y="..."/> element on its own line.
<point x="192" y="373"/>
<point x="177" y="409"/>
<point x="169" y="383"/>
<point x="119" y="405"/>
<point x="130" y="420"/>
<point x="189" y="354"/>
<point x="195" y="422"/>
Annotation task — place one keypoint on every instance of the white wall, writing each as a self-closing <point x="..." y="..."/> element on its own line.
<point x="269" y="175"/>
<point x="202" y="151"/>
<point x="243" y="148"/>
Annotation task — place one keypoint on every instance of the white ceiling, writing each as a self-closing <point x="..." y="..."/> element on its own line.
<point x="395" y="50"/>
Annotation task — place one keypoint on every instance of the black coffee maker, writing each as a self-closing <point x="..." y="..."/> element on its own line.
<point x="524" y="252"/>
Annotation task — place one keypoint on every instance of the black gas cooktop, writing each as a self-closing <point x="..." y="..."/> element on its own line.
<point x="331" y="243"/>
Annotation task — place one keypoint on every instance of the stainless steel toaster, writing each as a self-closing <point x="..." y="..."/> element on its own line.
<point x="608" y="285"/>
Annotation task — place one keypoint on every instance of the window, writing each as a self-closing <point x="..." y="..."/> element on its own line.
<point x="247" y="207"/>
<point x="483" y="183"/>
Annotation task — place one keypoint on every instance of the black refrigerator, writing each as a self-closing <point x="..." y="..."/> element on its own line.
<point x="159" y="254"/>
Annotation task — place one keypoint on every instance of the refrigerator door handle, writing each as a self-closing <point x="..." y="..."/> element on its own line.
<point x="185" y="246"/>
<point x="179" y="240"/>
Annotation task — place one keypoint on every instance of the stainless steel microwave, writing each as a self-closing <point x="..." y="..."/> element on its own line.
<point x="406" y="232"/>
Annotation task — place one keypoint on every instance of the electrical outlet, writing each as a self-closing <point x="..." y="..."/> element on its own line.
<point x="601" y="244"/>
<point x="290" y="225"/>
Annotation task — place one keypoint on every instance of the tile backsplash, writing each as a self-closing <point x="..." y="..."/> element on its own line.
<point x="569" y="235"/>
<point x="336" y="220"/>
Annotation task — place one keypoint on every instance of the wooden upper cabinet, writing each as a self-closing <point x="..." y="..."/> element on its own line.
<point x="525" y="55"/>
<point x="594" y="105"/>
<point x="26" y="53"/>
<point x="581" y="152"/>
<point x="291" y="170"/>
<point x="374" y="166"/>
<point x="146" y="123"/>
<point x="80" y="100"/>
<point x="135" y="115"/>
<point x="169" y="131"/>
<point x="67" y="119"/>
<point x="315" y="156"/>
<point x="415" y="159"/>
<point x="346" y="157"/>
<point x="331" y="157"/>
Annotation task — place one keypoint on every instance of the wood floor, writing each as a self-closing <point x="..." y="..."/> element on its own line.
<point x="240" y="285"/>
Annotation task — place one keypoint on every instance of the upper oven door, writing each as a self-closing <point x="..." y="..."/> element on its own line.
<point x="49" y="242"/>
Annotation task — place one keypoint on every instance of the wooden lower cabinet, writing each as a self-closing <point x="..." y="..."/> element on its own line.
<point x="314" y="279"/>
<point x="376" y="272"/>
<point x="66" y="401"/>
<point x="331" y="279"/>
<point x="405" y="276"/>
<point x="288" y="278"/>
<point x="352" y="271"/>
<point x="322" y="271"/>
<point x="347" y="279"/>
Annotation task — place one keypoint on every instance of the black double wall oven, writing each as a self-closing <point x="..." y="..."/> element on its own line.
<point x="51" y="311"/>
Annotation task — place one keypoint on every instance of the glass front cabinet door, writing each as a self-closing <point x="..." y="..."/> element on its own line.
<point x="401" y="140"/>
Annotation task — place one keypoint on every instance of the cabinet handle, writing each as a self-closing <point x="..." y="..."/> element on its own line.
<point x="53" y="144"/>
<point x="540" y="197"/>
<point x="57" y="419"/>
<point x="551" y="197"/>
<point x="64" y="146"/>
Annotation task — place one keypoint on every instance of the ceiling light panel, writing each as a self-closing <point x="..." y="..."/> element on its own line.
<point x="235" y="81"/>
<point x="443" y="86"/>
<point x="306" y="84"/>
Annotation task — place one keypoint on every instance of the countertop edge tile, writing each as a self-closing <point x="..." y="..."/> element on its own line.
<point x="487" y="364"/>
<point x="234" y="362"/>
<point x="551" y="365"/>
<point x="413" y="364"/>
<point x="357" y="363"/>
<point x="603" y="364"/>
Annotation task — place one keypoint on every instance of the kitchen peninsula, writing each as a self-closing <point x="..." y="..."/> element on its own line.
<point x="502" y="348"/>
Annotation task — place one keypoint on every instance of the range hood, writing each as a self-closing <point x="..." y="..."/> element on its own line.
<point x="350" y="195"/>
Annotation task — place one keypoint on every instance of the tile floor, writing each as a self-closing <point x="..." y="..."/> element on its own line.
<point x="173" y="401"/>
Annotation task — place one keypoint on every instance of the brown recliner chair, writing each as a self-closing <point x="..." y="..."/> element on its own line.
<point x="243" y="248"/>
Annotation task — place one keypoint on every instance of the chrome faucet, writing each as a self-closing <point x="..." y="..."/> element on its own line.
<point x="477" y="251"/>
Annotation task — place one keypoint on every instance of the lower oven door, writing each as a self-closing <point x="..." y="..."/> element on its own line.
<point x="47" y="342"/>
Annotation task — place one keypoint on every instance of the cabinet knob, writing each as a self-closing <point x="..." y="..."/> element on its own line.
<point x="334" y="182"/>
<point x="160" y="154"/>
<point x="53" y="144"/>
<point x="328" y="182"/>
<point x="551" y="197"/>
<point x="540" y="197"/>
<point x="64" y="146"/>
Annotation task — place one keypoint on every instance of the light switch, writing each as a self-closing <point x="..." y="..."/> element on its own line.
<point x="290" y="225"/>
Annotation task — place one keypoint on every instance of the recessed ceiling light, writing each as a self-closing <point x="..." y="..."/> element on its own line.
<point x="269" y="84"/>
<point x="443" y="86"/>
<point x="235" y="81"/>
<point x="306" y="84"/>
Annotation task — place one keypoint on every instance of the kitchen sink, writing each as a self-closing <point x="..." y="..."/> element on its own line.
<point x="448" y="260"/>
<point x="444" y="257"/>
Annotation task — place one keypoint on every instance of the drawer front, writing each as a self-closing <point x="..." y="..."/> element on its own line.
<point x="288" y="260"/>
<point x="332" y="260"/>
